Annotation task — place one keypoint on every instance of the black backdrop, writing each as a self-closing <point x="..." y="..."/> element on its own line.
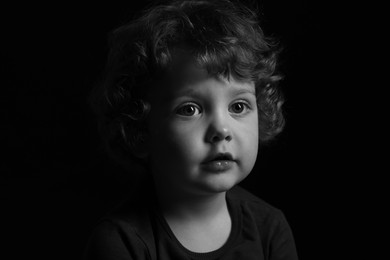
<point x="55" y="179"/>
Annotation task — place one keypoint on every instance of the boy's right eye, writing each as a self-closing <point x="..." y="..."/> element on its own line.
<point x="188" y="110"/>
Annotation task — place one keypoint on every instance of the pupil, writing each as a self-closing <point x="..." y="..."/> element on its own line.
<point x="189" y="110"/>
<point x="238" y="107"/>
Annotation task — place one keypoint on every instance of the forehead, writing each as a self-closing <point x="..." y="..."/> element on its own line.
<point x="190" y="80"/>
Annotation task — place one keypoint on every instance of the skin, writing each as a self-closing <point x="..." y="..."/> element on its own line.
<point x="193" y="118"/>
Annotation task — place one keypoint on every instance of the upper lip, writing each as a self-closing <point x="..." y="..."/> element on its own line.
<point x="219" y="156"/>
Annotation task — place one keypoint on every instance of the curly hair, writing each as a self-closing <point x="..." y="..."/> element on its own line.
<point x="221" y="36"/>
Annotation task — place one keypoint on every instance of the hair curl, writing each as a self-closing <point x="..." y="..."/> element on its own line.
<point x="222" y="36"/>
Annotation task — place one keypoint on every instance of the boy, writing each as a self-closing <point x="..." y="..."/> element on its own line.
<point x="189" y="92"/>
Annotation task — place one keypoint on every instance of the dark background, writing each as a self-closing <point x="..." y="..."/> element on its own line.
<point x="55" y="179"/>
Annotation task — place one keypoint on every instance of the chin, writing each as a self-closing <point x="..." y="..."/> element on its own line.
<point x="219" y="184"/>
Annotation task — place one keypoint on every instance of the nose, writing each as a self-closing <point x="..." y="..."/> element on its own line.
<point x="219" y="130"/>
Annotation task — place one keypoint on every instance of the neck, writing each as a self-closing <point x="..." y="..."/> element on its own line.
<point x="200" y="222"/>
<point x="189" y="206"/>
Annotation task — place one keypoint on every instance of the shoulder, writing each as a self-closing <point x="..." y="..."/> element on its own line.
<point x="264" y="221"/>
<point x="125" y="232"/>
<point x="133" y="213"/>
<point x="248" y="200"/>
<point x="254" y="209"/>
<point x="111" y="231"/>
<point x="110" y="241"/>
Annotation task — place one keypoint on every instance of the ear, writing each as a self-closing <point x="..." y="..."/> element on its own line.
<point x="139" y="146"/>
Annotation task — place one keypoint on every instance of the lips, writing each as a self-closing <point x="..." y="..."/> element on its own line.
<point x="219" y="162"/>
<point x="219" y="157"/>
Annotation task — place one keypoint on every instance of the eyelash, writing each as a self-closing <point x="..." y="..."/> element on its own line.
<point x="198" y="110"/>
<point x="181" y="108"/>
<point x="246" y="107"/>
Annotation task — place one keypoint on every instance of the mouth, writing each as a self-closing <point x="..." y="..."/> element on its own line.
<point x="219" y="162"/>
<point x="220" y="157"/>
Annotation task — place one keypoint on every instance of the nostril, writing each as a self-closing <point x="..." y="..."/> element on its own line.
<point x="219" y="134"/>
<point x="217" y="138"/>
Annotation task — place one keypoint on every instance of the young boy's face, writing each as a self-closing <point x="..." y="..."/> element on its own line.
<point x="203" y="132"/>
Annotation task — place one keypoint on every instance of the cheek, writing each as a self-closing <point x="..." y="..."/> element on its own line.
<point x="249" y="140"/>
<point x="187" y="141"/>
<point x="175" y="141"/>
<point x="250" y="127"/>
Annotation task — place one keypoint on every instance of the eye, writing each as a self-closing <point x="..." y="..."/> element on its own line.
<point x="238" y="107"/>
<point x="188" y="110"/>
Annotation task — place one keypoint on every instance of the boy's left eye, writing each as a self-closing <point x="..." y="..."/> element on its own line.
<point x="238" y="107"/>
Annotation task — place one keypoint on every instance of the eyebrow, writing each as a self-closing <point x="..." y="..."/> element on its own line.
<point x="239" y="91"/>
<point x="192" y="92"/>
<point x="245" y="91"/>
<point x="187" y="92"/>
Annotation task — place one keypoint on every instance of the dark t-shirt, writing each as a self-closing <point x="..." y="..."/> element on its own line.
<point x="137" y="230"/>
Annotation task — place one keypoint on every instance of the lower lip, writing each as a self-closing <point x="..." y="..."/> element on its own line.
<point x="218" y="166"/>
